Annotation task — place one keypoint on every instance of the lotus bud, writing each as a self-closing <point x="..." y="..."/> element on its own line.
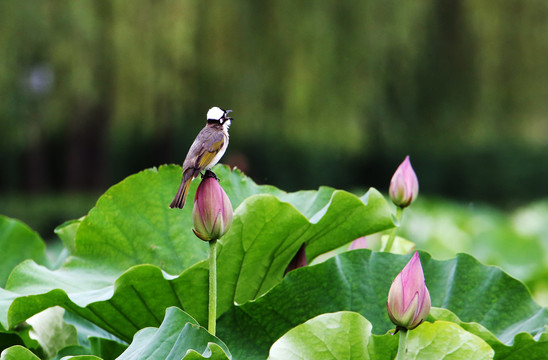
<point x="359" y="243"/>
<point x="408" y="299"/>
<point x="212" y="212"/>
<point x="404" y="186"/>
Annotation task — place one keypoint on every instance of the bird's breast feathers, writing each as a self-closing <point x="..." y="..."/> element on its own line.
<point x="220" y="154"/>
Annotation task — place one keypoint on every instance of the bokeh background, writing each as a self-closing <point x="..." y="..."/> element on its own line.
<point x="323" y="93"/>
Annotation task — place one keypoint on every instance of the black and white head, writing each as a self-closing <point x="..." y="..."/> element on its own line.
<point x="216" y="115"/>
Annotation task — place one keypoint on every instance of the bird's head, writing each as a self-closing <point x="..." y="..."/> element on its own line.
<point x="216" y="115"/>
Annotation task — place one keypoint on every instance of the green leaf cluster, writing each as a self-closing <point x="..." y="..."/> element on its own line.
<point x="519" y="237"/>
<point x="134" y="285"/>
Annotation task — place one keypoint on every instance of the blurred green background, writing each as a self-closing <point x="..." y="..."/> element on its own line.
<point x="323" y="92"/>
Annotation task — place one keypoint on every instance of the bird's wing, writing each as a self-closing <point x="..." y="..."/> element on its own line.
<point x="212" y="143"/>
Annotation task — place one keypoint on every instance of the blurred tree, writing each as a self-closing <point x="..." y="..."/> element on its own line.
<point x="336" y="91"/>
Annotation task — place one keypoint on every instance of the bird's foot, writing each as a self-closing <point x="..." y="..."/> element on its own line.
<point x="209" y="174"/>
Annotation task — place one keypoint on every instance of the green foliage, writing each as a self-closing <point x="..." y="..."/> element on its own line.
<point x="28" y="245"/>
<point x="18" y="352"/>
<point x="131" y="225"/>
<point x="285" y="54"/>
<point x="178" y="334"/>
<point x="359" y="281"/>
<point x="446" y="340"/>
<point x="341" y="335"/>
<point x="347" y="335"/>
<point x="136" y="275"/>
<point x="344" y="86"/>
<point x="519" y="236"/>
<point x="130" y="248"/>
<point x="523" y="345"/>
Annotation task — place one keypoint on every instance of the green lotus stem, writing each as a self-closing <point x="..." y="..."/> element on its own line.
<point x="212" y="319"/>
<point x="392" y="237"/>
<point x="402" y="345"/>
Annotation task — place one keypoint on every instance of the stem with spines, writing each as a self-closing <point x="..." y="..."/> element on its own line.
<point x="392" y="236"/>
<point x="402" y="344"/>
<point x="212" y="316"/>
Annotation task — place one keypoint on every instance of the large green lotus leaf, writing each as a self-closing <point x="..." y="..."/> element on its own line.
<point x="445" y="340"/>
<point x="178" y="335"/>
<point x="347" y="335"/>
<point x="132" y="224"/>
<point x="122" y="306"/>
<point x="523" y="343"/>
<point x="138" y="298"/>
<point x="18" y="352"/>
<point x="17" y="243"/>
<point x="340" y="335"/>
<point x="359" y="281"/>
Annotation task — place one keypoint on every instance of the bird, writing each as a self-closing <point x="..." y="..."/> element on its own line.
<point x="206" y="150"/>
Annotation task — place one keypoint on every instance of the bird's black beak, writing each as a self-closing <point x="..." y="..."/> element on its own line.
<point x="228" y="112"/>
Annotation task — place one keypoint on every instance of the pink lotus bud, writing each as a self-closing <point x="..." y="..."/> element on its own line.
<point x="359" y="243"/>
<point x="404" y="186"/>
<point x="212" y="212"/>
<point x="408" y="299"/>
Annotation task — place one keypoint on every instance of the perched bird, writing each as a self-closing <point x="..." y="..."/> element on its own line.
<point x="208" y="148"/>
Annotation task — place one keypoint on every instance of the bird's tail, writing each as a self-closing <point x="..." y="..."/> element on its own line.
<point x="180" y="197"/>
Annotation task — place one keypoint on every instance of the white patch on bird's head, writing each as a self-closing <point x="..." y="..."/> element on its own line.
<point x="215" y="113"/>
